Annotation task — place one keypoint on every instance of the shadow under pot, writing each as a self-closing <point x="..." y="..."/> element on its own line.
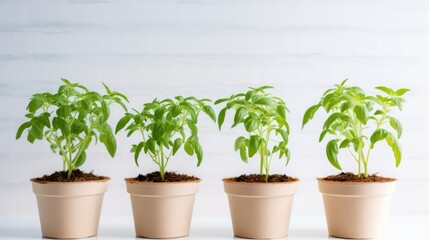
<point x="260" y="210"/>
<point x="356" y="209"/>
<point x="162" y="209"/>
<point x="70" y="209"/>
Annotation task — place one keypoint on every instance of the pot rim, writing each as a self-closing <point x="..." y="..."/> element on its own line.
<point x="134" y="181"/>
<point x="229" y="180"/>
<point x="35" y="180"/>
<point x="321" y="179"/>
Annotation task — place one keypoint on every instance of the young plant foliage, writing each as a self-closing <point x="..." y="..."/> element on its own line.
<point x="358" y="121"/>
<point x="263" y="116"/>
<point x="166" y="126"/>
<point x="70" y="120"/>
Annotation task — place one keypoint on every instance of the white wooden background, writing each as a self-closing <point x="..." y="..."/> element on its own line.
<point x="149" y="49"/>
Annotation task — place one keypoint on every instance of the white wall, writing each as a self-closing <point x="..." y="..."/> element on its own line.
<point x="149" y="49"/>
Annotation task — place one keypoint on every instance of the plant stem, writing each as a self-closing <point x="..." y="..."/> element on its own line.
<point x="161" y="164"/>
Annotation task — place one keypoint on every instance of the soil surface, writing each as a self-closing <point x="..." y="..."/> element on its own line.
<point x="168" y="177"/>
<point x="351" y="177"/>
<point x="76" y="176"/>
<point x="257" y="178"/>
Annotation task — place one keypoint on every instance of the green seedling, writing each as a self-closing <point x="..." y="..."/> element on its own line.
<point x="70" y="119"/>
<point x="263" y="117"/>
<point x="358" y="121"/>
<point x="166" y="126"/>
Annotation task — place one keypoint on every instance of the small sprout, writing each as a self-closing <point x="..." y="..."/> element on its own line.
<point x="69" y="120"/>
<point x="263" y="116"/>
<point x="358" y="121"/>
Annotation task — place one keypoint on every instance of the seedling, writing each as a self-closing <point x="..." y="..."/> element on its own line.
<point x="263" y="117"/>
<point x="166" y="126"/>
<point x="70" y="119"/>
<point x="358" y="121"/>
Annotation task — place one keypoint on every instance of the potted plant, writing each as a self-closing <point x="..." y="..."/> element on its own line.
<point x="260" y="204"/>
<point x="162" y="201"/>
<point x="357" y="206"/>
<point x="69" y="201"/>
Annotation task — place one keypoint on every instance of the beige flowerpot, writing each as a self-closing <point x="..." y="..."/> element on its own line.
<point x="356" y="210"/>
<point x="69" y="209"/>
<point x="162" y="210"/>
<point x="260" y="210"/>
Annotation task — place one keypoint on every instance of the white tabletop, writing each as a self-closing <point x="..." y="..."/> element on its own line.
<point x="302" y="227"/>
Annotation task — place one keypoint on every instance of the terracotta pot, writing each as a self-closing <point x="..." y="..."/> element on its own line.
<point x="356" y="210"/>
<point x="260" y="210"/>
<point x="69" y="209"/>
<point x="162" y="210"/>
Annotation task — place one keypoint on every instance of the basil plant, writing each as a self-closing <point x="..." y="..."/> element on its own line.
<point x="165" y="126"/>
<point x="263" y="117"/>
<point x="357" y="121"/>
<point x="70" y="119"/>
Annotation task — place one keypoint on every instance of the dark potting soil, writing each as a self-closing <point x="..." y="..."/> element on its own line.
<point x="76" y="176"/>
<point x="351" y="177"/>
<point x="257" y="178"/>
<point x="168" y="177"/>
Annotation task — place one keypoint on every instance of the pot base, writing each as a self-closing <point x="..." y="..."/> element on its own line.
<point x="356" y="210"/>
<point x="71" y="209"/>
<point x="162" y="210"/>
<point x="260" y="210"/>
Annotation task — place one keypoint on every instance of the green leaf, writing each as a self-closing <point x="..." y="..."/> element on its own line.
<point x="243" y="153"/>
<point x="210" y="112"/>
<point x="396" y="102"/>
<point x="194" y="129"/>
<point x="345" y="143"/>
<point x="158" y="130"/>
<point x="401" y="91"/>
<point x="22" y="128"/>
<point x="287" y="154"/>
<point x="34" y="105"/>
<point x="396" y="148"/>
<point x="239" y="115"/>
<point x="309" y="114"/>
<point x="80" y="160"/>
<point x="137" y="151"/>
<point x="281" y="111"/>
<point x="150" y="146"/>
<point x="284" y="135"/>
<point x="197" y="149"/>
<point x="221" y="100"/>
<point x="387" y="90"/>
<point x="265" y="101"/>
<point x="221" y="118"/>
<point x="345" y="106"/>
<point x="331" y="153"/>
<point x="77" y="126"/>
<point x="37" y="129"/>
<point x="122" y="123"/>
<point x="239" y="142"/>
<point x="107" y="88"/>
<point x="30" y="137"/>
<point x="176" y="110"/>
<point x="44" y="119"/>
<point x="322" y="135"/>
<point x="333" y="117"/>
<point x="188" y="148"/>
<point x="378" y="135"/>
<point x="108" y="139"/>
<point x="105" y="110"/>
<point x="176" y="145"/>
<point x="251" y="124"/>
<point x="249" y="95"/>
<point x="254" y="143"/>
<point x="396" y="125"/>
<point x="361" y="113"/>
